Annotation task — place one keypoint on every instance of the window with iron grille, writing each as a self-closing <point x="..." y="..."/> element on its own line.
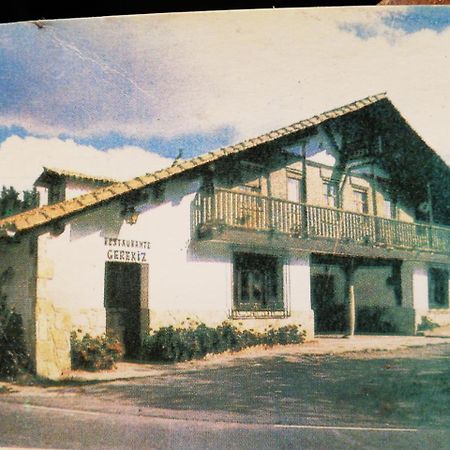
<point x="258" y="283"/>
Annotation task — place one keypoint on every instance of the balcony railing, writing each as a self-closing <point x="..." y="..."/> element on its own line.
<point x="231" y="209"/>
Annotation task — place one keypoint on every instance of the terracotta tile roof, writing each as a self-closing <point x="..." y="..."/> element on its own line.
<point x="51" y="171"/>
<point x="45" y="214"/>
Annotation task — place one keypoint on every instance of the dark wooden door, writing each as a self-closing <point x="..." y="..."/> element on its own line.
<point x="329" y="314"/>
<point x="122" y="303"/>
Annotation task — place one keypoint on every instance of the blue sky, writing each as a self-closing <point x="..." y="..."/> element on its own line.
<point x="200" y="81"/>
<point x="416" y="19"/>
<point x="409" y="20"/>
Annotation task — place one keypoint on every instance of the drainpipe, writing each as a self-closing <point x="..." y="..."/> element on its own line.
<point x="430" y="215"/>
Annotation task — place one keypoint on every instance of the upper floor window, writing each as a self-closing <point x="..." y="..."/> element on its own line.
<point x="389" y="208"/>
<point x="294" y="187"/>
<point x="361" y="201"/>
<point x="330" y="193"/>
<point x="56" y="193"/>
<point x="251" y="177"/>
<point x="252" y="186"/>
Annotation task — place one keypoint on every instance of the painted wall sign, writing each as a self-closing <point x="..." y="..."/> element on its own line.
<point x="126" y="250"/>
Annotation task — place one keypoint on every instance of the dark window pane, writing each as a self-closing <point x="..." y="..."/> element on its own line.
<point x="438" y="288"/>
<point x="256" y="283"/>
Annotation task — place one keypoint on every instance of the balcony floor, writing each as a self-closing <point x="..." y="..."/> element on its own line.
<point x="284" y="243"/>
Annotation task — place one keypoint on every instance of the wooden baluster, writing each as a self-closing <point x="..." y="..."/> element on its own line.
<point x="206" y="203"/>
<point x="330" y="222"/>
<point x="324" y="222"/>
<point x="344" y="225"/>
<point x="218" y="206"/>
<point x="225" y="207"/>
<point x="316" y="223"/>
<point x="246" y="209"/>
<point x="327" y="222"/>
<point x="276" y="215"/>
<point x="283" y="216"/>
<point x="286" y="217"/>
<point x="350" y="226"/>
<point x="236" y="208"/>
<point x="349" y="234"/>
<point x="430" y="237"/>
<point x="263" y="213"/>
<point x="253" y="223"/>
<point x="319" y="214"/>
<point x="226" y="211"/>
<point x="230" y="211"/>
<point x="255" y="213"/>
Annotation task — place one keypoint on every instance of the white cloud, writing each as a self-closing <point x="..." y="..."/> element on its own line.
<point x="22" y="160"/>
<point x="259" y="70"/>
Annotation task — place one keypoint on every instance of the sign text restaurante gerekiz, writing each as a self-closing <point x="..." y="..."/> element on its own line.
<point x="126" y="250"/>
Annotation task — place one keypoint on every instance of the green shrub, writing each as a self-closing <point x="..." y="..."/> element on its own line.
<point x="181" y="344"/>
<point x="13" y="355"/>
<point x="372" y="319"/>
<point x="94" y="353"/>
<point x="427" y="324"/>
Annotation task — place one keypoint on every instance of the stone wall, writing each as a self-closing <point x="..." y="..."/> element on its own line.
<point x="53" y="321"/>
<point x="52" y="339"/>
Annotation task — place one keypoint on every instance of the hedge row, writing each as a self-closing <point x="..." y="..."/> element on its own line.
<point x="181" y="344"/>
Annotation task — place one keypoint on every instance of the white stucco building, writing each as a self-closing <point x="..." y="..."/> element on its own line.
<point x="290" y="227"/>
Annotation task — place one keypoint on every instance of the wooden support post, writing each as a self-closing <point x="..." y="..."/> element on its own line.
<point x="351" y="310"/>
<point x="349" y="270"/>
<point x="304" y="194"/>
<point x="268" y="219"/>
<point x="373" y="191"/>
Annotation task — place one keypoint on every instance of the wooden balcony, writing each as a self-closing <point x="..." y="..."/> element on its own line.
<point x="226" y="209"/>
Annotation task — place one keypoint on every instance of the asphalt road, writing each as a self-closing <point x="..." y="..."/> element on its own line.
<point x="390" y="400"/>
<point x="43" y="427"/>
